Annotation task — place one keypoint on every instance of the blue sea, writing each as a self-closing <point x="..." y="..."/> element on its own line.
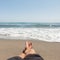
<point x="49" y="32"/>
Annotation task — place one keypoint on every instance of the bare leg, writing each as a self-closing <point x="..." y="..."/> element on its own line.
<point x="28" y="50"/>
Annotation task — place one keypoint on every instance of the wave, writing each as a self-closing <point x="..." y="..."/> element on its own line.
<point x="44" y="34"/>
<point x="28" y="25"/>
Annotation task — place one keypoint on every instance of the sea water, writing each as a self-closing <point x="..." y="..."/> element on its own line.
<point x="49" y="32"/>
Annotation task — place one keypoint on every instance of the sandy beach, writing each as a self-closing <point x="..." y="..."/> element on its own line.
<point x="48" y="50"/>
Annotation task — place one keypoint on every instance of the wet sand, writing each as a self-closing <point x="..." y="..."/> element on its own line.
<point x="48" y="50"/>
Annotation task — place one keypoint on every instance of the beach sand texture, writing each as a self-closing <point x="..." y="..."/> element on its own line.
<point x="48" y="50"/>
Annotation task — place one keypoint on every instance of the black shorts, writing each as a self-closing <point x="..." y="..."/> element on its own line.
<point x="28" y="57"/>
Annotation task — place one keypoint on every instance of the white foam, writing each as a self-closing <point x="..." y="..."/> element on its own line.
<point x="45" y="34"/>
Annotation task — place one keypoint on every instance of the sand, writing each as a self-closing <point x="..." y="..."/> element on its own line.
<point x="48" y="50"/>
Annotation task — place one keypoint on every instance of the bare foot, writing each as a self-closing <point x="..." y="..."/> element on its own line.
<point x="28" y="45"/>
<point x="29" y="49"/>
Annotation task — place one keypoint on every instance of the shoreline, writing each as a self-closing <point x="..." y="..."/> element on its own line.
<point x="48" y="50"/>
<point x="29" y="40"/>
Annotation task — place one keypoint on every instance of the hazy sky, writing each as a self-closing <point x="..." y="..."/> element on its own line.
<point x="30" y="10"/>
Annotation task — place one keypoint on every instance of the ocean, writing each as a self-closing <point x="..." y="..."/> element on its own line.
<point x="49" y="32"/>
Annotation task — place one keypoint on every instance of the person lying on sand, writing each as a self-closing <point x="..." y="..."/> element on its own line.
<point x="27" y="54"/>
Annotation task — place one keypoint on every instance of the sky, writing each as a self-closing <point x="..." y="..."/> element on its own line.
<point x="29" y="10"/>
